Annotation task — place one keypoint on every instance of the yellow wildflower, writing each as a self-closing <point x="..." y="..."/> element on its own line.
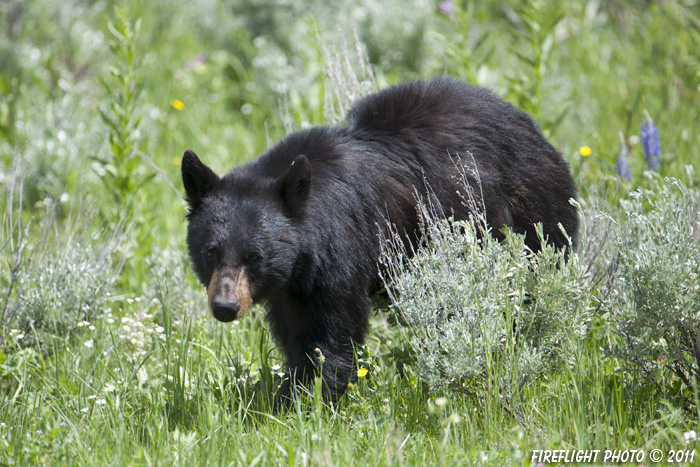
<point x="585" y="151"/>
<point x="362" y="372"/>
<point x="177" y="104"/>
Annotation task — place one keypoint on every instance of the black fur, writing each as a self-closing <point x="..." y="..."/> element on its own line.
<point x="313" y="207"/>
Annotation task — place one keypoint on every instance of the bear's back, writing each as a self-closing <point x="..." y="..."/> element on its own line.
<point x="420" y="104"/>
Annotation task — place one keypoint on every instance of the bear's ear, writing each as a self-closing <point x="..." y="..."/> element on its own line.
<point x="295" y="185"/>
<point x="197" y="178"/>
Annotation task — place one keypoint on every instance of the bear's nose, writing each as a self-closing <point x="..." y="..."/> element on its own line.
<point x="225" y="310"/>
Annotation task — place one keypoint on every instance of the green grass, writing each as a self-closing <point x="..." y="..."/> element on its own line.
<point x="125" y="366"/>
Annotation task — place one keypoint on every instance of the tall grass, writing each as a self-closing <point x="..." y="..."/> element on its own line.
<point x="56" y="276"/>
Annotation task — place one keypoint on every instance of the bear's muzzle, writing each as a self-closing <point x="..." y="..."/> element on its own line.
<point x="229" y="295"/>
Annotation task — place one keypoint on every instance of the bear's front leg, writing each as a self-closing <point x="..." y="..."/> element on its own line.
<point x="318" y="334"/>
<point x="336" y="369"/>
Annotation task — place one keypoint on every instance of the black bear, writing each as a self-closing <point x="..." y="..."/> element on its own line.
<point x="300" y="227"/>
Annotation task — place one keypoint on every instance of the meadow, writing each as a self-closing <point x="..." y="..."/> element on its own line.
<point x="108" y="354"/>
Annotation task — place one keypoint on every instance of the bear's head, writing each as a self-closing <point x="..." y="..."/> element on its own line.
<point x="243" y="235"/>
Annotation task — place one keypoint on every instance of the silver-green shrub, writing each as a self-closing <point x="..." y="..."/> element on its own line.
<point x="479" y="312"/>
<point x="55" y="274"/>
<point x="654" y="295"/>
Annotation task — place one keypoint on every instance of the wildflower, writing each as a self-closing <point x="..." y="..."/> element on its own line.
<point x="690" y="436"/>
<point x="89" y="343"/>
<point x="39" y="432"/>
<point x="650" y="142"/>
<point x="660" y="361"/>
<point x="177" y="104"/>
<point x="447" y="7"/>
<point x="585" y="151"/>
<point x="623" y="170"/>
<point x="319" y="355"/>
<point x="197" y="64"/>
<point x="362" y="372"/>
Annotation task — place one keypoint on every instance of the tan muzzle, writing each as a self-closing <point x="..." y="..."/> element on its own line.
<point x="229" y="295"/>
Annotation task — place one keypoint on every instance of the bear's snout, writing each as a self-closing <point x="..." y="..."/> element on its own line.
<point x="225" y="311"/>
<point x="229" y="295"/>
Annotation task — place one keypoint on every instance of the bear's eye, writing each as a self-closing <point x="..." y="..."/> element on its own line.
<point x="211" y="253"/>
<point x="252" y="257"/>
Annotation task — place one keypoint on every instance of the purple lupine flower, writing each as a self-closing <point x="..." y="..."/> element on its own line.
<point x="650" y="141"/>
<point x="623" y="170"/>
<point x="195" y="62"/>
<point x="447" y="7"/>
